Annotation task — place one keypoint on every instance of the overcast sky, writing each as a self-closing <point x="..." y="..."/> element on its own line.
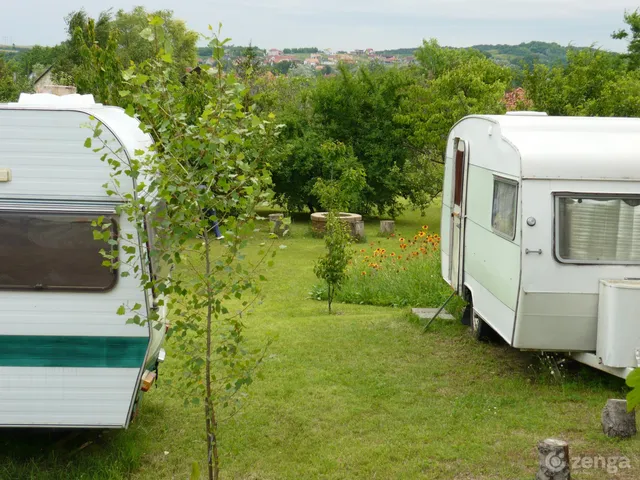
<point x="350" y="24"/>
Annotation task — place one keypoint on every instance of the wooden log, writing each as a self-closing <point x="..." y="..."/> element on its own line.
<point x="616" y="421"/>
<point x="553" y="457"/>
<point x="387" y="226"/>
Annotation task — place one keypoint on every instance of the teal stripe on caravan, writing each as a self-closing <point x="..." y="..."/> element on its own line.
<point x="69" y="351"/>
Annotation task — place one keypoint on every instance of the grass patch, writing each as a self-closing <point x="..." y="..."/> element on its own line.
<point x="358" y="395"/>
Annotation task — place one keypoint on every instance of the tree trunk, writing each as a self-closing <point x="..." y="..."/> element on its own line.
<point x="616" y="421"/>
<point x="553" y="457"/>
<point x="211" y="424"/>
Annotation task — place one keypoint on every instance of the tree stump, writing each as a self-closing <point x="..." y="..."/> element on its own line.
<point x="616" y="421"/>
<point x="358" y="229"/>
<point x="553" y="456"/>
<point x="387" y="227"/>
<point x="277" y="223"/>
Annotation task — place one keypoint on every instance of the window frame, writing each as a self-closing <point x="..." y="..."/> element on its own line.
<point x="82" y="209"/>
<point x="556" y="226"/>
<point x="516" y="184"/>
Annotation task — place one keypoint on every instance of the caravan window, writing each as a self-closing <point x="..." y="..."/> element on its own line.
<point x="503" y="214"/>
<point x="47" y="250"/>
<point x="598" y="228"/>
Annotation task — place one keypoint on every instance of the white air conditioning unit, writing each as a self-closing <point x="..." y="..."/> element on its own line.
<point x="618" y="323"/>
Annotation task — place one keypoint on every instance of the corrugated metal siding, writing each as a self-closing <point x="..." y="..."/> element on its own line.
<point x="46" y="153"/>
<point x="65" y="396"/>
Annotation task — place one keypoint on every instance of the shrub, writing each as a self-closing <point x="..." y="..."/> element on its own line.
<point x="407" y="275"/>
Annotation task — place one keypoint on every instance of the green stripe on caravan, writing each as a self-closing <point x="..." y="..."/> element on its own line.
<point x="69" y="351"/>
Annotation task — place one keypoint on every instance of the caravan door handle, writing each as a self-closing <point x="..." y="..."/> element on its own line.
<point x="527" y="251"/>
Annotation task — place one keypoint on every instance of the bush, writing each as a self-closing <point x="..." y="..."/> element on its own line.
<point x="408" y="276"/>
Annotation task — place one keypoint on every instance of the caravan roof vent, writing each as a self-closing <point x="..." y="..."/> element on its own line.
<point x="528" y="114"/>
<point x="48" y="99"/>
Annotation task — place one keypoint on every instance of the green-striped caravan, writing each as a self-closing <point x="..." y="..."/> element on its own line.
<point x="67" y="359"/>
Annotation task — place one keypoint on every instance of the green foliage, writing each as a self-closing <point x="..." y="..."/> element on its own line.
<point x="356" y="110"/>
<point x="526" y="54"/>
<point x="633" y="38"/>
<point x="97" y="50"/>
<point x="332" y="266"/>
<point x="98" y="71"/>
<point x="134" y="33"/>
<point x="343" y="181"/>
<point x="198" y="164"/>
<point x="12" y="83"/>
<point x="582" y="87"/>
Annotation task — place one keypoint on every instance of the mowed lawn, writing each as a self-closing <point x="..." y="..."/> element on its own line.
<point x="362" y="394"/>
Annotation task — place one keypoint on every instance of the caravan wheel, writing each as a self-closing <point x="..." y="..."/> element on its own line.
<point x="479" y="328"/>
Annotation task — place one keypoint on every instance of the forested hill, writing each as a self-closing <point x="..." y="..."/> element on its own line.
<point x="540" y="52"/>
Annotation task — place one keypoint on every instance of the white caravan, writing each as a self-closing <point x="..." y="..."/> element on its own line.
<point x="541" y="233"/>
<point x="67" y="359"/>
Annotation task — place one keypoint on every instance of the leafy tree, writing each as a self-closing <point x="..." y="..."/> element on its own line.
<point x="575" y="88"/>
<point x="633" y="38"/>
<point x="12" y="83"/>
<point x="339" y="193"/>
<point x="99" y="71"/>
<point x="332" y="266"/>
<point x="207" y="294"/>
<point x="134" y="33"/>
<point x="358" y="110"/>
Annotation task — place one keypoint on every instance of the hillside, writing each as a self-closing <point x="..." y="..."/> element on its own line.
<point x="527" y="53"/>
<point x="512" y="55"/>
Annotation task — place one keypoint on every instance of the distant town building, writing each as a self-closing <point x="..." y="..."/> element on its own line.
<point x="311" y="61"/>
<point x="271" y="60"/>
<point x="274" y="52"/>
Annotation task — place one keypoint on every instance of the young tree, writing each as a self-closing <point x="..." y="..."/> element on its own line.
<point x="633" y="38"/>
<point x="214" y="161"/>
<point x="340" y="192"/>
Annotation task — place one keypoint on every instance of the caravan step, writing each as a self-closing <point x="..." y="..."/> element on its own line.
<point x="430" y="312"/>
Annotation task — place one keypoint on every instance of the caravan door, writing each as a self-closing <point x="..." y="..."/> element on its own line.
<point x="458" y="212"/>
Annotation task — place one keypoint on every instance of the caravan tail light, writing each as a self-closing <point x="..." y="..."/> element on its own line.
<point x="167" y="326"/>
<point x="147" y="380"/>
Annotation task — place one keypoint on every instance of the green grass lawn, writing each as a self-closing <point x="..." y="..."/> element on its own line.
<point x="360" y="394"/>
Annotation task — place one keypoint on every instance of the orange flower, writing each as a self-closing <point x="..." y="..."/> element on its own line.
<point x="425" y="227"/>
<point x="399" y="257"/>
<point x="362" y="251"/>
<point x="401" y="240"/>
<point x="392" y="235"/>
<point x="415" y="237"/>
<point x="421" y="234"/>
<point x="393" y="254"/>
<point x="363" y="273"/>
